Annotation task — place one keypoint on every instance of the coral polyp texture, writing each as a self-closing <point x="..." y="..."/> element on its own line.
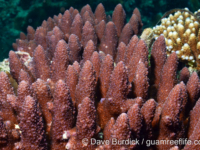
<point x="182" y="35"/>
<point x="83" y="81"/>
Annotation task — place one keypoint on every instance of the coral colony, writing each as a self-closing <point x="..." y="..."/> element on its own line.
<point x="83" y="81"/>
<point x="182" y="35"/>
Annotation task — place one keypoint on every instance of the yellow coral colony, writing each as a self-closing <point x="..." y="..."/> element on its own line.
<point x="182" y="35"/>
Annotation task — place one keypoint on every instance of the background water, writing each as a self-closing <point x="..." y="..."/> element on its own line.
<point x="16" y="15"/>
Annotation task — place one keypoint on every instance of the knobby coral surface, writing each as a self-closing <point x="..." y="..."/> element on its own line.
<point x="82" y="81"/>
<point x="182" y="35"/>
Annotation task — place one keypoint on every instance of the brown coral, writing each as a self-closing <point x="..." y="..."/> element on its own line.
<point x="91" y="79"/>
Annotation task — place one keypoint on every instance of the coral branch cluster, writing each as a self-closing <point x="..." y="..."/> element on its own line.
<point x="84" y="78"/>
<point x="182" y="35"/>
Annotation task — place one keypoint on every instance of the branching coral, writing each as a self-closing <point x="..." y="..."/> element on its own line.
<point x="91" y="81"/>
<point x="182" y="35"/>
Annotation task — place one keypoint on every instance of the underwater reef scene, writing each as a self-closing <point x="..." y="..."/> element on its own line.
<point x="86" y="80"/>
<point x="16" y="15"/>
